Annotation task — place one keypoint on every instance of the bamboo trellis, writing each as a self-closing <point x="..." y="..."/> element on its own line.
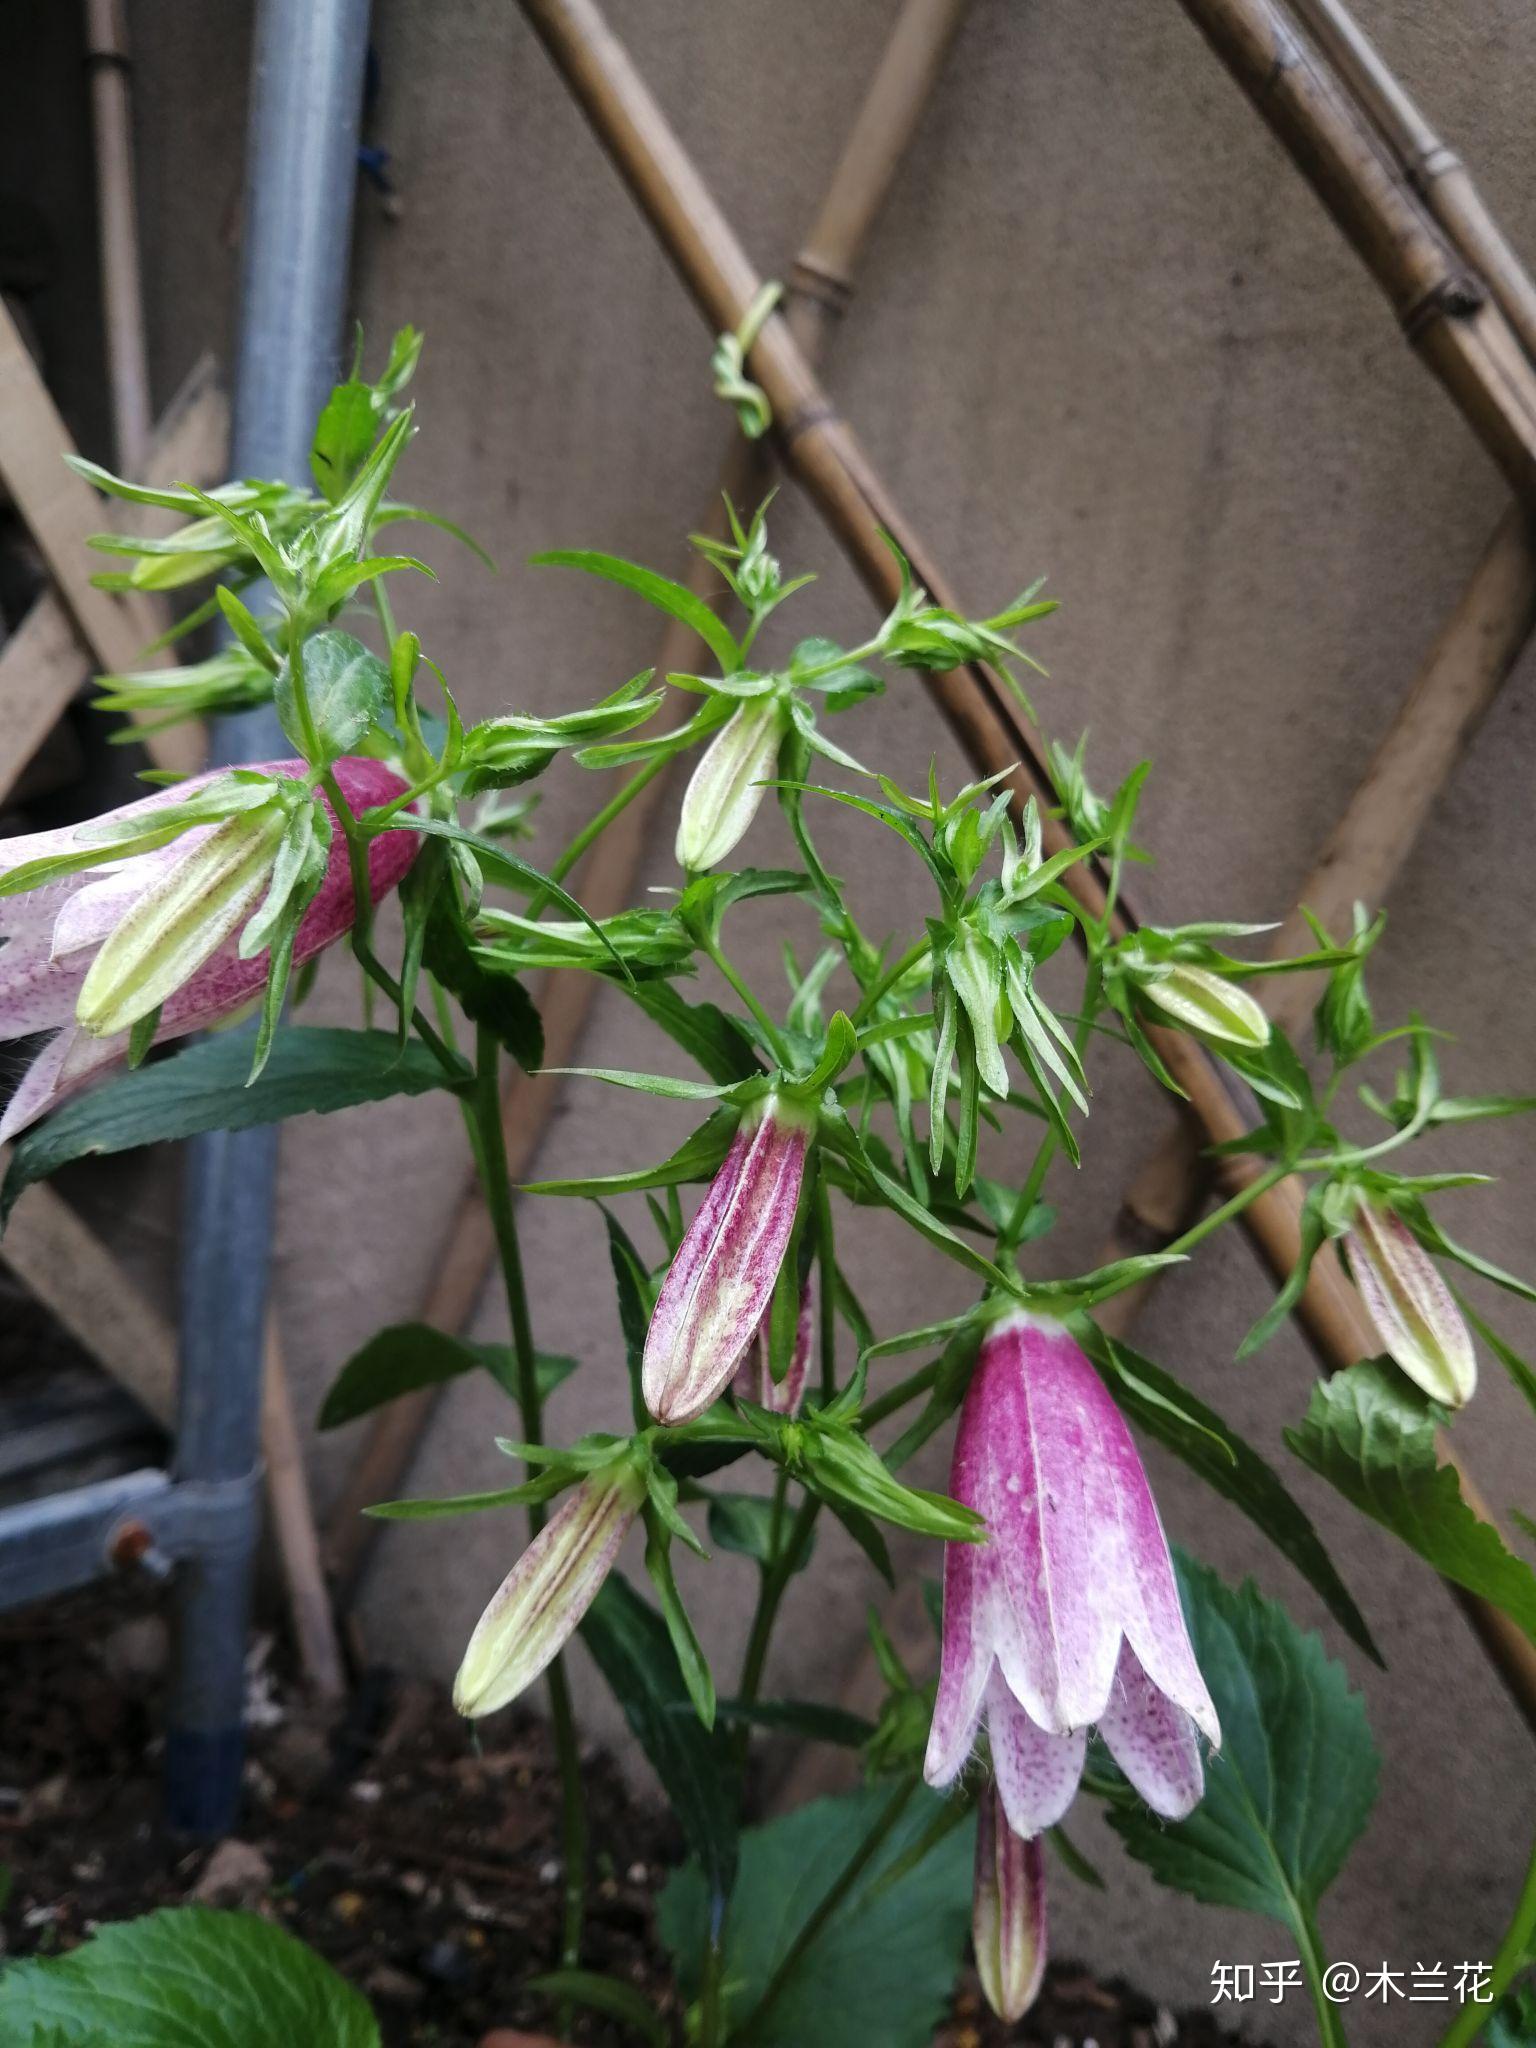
<point x="1450" y="315"/>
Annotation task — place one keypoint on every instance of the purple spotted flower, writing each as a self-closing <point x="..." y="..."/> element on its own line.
<point x="721" y="1283"/>
<point x="54" y="934"/>
<point x="1068" y="1617"/>
<point x="755" y="1382"/>
<point x="1007" y="1911"/>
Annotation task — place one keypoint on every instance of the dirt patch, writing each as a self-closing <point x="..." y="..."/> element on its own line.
<point x="424" y="1868"/>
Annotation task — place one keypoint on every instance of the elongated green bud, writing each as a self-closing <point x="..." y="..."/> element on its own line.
<point x="724" y="791"/>
<point x="538" y="1604"/>
<point x="1208" y="1003"/>
<point x="1410" y="1306"/>
<point x="1007" y="1912"/>
<point x="176" y="925"/>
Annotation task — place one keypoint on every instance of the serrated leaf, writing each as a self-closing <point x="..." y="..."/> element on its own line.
<point x="883" y="1966"/>
<point x="1294" y="1780"/>
<point x="1371" y="1434"/>
<point x="1169" y="1413"/>
<point x="184" y="1978"/>
<point x="489" y="996"/>
<point x="407" y="1356"/>
<point x="347" y="689"/>
<point x="204" y="1088"/>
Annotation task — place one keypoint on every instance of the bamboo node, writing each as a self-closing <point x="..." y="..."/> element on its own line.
<point x="1455" y="297"/>
<point x="817" y="412"/>
<point x="813" y="280"/>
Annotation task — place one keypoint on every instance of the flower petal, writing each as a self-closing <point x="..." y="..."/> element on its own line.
<point x="1153" y="1741"/>
<point x="1037" y="1772"/>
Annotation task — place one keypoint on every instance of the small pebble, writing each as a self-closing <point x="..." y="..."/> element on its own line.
<point x="368" y="1791"/>
<point x="349" y="1906"/>
<point x="638" y="1874"/>
<point x="549" y="1872"/>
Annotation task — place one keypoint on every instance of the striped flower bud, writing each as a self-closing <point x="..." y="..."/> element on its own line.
<point x="1007" y="1911"/>
<point x="721" y="1283"/>
<point x="755" y="1382"/>
<point x="1410" y="1307"/>
<point x="1207" y="1003"/>
<point x="539" y="1603"/>
<point x="725" y="788"/>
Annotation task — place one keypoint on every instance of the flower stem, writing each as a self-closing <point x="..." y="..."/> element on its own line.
<point x="1330" y="2028"/>
<point x="775" y="1581"/>
<point x="766" y="1024"/>
<point x="1208" y="1225"/>
<point x="829" y="1902"/>
<point x="491" y="1157"/>
<point x="1513" y="1952"/>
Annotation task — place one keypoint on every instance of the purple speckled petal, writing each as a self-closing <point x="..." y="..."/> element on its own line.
<point x="1007" y="1912"/>
<point x="40" y="1086"/>
<point x="966" y="1660"/>
<point x="1037" y="1772"/>
<point x="1153" y="1741"/>
<point x="721" y="1282"/>
<point x="1055" y="1623"/>
<point x="1411" y="1309"/>
<point x="754" y="1381"/>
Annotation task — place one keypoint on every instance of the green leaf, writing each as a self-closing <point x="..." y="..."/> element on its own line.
<point x="712" y="1039"/>
<point x="609" y="1996"/>
<point x="310" y="1068"/>
<point x="697" y="1158"/>
<point x="882" y="1968"/>
<point x="1371" y="1433"/>
<point x="487" y="995"/>
<point x="810" y="1718"/>
<point x="745" y="1524"/>
<point x="691" y="1661"/>
<point x="1518" y="1368"/>
<point x="1170" y="1414"/>
<point x="1294" y="1780"/>
<point x="347" y="688"/>
<point x="185" y="1978"/>
<point x="631" y="1647"/>
<point x="406" y="1356"/>
<point x="661" y="591"/>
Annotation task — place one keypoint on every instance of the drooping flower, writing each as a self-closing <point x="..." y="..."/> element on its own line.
<point x="537" y="1606"/>
<point x="56" y="935"/>
<point x="1069" y="1616"/>
<point x="1412" y="1310"/>
<point x="721" y="1283"/>
<point x="1007" y="1911"/>
<point x="725" y="789"/>
<point x="755" y="1382"/>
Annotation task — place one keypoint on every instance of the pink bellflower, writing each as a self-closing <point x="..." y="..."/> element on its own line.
<point x="1068" y="1617"/>
<point x="53" y="933"/>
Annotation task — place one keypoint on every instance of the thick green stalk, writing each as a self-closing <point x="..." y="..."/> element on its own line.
<point x="1514" y="1951"/>
<point x="775" y="1581"/>
<point x="491" y="1157"/>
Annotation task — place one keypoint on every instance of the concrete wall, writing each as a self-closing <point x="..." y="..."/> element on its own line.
<point x="1104" y="332"/>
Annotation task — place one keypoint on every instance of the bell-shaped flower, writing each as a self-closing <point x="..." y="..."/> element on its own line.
<point x="87" y="955"/>
<point x="754" y="1380"/>
<point x="720" y="1285"/>
<point x="1411" y="1309"/>
<point x="537" y="1606"/>
<point x="1068" y="1617"/>
<point x="1007" y="1911"/>
<point x="726" y="787"/>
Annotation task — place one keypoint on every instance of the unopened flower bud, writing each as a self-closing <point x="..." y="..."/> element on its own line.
<point x="721" y="1283"/>
<point x="1007" y="1911"/>
<point x="755" y="1382"/>
<point x="1411" y="1309"/>
<point x="1208" y="1003"/>
<point x="539" y="1603"/>
<point x="725" y="790"/>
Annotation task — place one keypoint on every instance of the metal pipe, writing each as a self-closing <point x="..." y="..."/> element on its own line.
<point x="306" y="101"/>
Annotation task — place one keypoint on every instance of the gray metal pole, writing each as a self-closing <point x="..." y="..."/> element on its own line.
<point x="306" y="100"/>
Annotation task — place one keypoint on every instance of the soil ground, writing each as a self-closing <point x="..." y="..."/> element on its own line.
<point x="425" y="1870"/>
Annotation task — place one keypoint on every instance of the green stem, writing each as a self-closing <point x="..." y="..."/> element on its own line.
<point x="898" y="1396"/>
<point x="596" y="826"/>
<point x="1207" y="1225"/>
<point x="491" y="1154"/>
<point x="1513" y="1952"/>
<point x="1045" y="1152"/>
<point x="831" y="1899"/>
<point x="889" y="979"/>
<point x="1330" y="2028"/>
<point x="775" y="1581"/>
<point x="769" y="1029"/>
<point x="826" y="1258"/>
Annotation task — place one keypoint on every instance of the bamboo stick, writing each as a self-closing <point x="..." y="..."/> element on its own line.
<point x="1434" y="170"/>
<point x="1445" y="310"/>
<point x="820" y="287"/>
<point x="1405" y="251"/>
<point x="106" y="40"/>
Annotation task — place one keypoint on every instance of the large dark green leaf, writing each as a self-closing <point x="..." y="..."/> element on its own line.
<point x="1169" y="1413"/>
<point x="1371" y="1433"/>
<point x="714" y="1041"/>
<point x="407" y="1356"/>
<point x="630" y="1645"/>
<point x="490" y="996"/>
<point x="884" y="1965"/>
<point x="203" y="1088"/>
<point x="1295" y="1777"/>
<point x="186" y="1978"/>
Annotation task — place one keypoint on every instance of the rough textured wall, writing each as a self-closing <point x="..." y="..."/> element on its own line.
<point x="1105" y="332"/>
